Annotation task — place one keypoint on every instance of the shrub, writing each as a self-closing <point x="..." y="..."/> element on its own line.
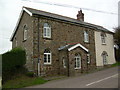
<point x="30" y="74"/>
<point x="12" y="62"/>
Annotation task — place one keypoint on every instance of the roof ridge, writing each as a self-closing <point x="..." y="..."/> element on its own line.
<point x="82" y="22"/>
<point x="49" y="12"/>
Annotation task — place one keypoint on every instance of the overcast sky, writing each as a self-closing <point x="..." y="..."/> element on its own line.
<point x="10" y="10"/>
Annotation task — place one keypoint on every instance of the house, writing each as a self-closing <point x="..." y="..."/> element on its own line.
<point x="59" y="45"/>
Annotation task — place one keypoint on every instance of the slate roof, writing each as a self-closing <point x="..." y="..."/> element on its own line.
<point x="35" y="12"/>
<point x="52" y="15"/>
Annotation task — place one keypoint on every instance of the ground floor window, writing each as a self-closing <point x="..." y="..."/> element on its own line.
<point x="64" y="62"/>
<point x="47" y="57"/>
<point x="77" y="61"/>
<point x="88" y="58"/>
<point x="104" y="55"/>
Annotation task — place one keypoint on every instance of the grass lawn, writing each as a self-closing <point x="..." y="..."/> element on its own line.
<point x="23" y="81"/>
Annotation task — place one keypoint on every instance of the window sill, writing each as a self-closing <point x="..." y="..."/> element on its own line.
<point x="103" y="43"/>
<point x="64" y="67"/>
<point x="88" y="62"/>
<point x="47" y="38"/>
<point x="47" y="63"/>
<point x="24" y="40"/>
<point x="77" y="68"/>
<point x="87" y="42"/>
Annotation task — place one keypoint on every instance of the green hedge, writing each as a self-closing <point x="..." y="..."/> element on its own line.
<point x="12" y="62"/>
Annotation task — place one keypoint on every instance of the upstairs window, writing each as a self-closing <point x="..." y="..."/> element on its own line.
<point x="47" y="57"/>
<point x="25" y="32"/>
<point x="16" y="43"/>
<point x="46" y="31"/>
<point x="77" y="61"/>
<point x="86" y="36"/>
<point x="103" y="38"/>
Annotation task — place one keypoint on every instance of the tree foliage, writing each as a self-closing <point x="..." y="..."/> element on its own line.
<point x="117" y="36"/>
<point x="117" y="41"/>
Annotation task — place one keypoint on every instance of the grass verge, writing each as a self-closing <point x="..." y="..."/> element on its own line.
<point x="116" y="64"/>
<point x="23" y="81"/>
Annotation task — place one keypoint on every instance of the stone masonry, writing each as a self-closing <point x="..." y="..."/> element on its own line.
<point x="62" y="33"/>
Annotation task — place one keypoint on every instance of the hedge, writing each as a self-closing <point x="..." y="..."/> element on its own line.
<point x="12" y="61"/>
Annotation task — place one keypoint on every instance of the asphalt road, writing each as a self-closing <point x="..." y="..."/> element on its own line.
<point x="107" y="78"/>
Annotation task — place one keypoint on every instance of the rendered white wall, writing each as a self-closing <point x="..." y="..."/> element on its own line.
<point x="108" y="47"/>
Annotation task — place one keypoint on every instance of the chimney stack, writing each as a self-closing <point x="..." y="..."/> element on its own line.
<point x="80" y="16"/>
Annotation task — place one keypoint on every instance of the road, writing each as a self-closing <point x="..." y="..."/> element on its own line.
<point x="107" y="78"/>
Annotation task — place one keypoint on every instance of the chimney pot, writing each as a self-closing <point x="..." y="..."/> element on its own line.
<point x="80" y="16"/>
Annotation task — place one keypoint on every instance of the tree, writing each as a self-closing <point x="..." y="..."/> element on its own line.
<point x="117" y="42"/>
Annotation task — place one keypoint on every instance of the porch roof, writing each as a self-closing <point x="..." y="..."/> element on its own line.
<point x="73" y="46"/>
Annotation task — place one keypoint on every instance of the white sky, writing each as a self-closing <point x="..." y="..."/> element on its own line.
<point x="10" y="10"/>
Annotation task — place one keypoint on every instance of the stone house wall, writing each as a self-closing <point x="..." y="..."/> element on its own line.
<point x="28" y="44"/>
<point x="83" y="56"/>
<point x="62" y="33"/>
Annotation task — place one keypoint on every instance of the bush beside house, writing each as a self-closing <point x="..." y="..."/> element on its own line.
<point x="13" y="63"/>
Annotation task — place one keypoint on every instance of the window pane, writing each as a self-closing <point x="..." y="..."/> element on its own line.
<point x="45" y="58"/>
<point x="46" y="25"/>
<point x="103" y="38"/>
<point x="45" y="32"/>
<point x="25" y="34"/>
<point x="104" y="59"/>
<point x="49" y="58"/>
<point x="85" y="36"/>
<point x="64" y="63"/>
<point x="16" y="43"/>
<point x="78" y="63"/>
<point x="75" y="62"/>
<point x="88" y="58"/>
<point x="48" y="32"/>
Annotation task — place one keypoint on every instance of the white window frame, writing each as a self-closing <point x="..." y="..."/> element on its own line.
<point x="47" y="29"/>
<point x="86" y="36"/>
<point x="25" y="32"/>
<point x="103" y="38"/>
<point x="47" y="54"/>
<point x="88" y="58"/>
<point x="64" y="63"/>
<point x="76" y="61"/>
